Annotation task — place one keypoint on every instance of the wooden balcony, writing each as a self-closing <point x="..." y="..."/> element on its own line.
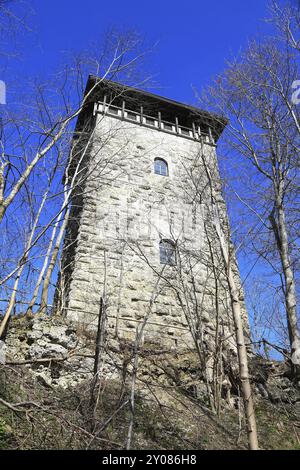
<point x="152" y="122"/>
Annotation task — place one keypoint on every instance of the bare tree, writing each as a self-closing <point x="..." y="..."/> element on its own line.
<point x="234" y="291"/>
<point x="263" y="135"/>
<point x="286" y="18"/>
<point x="221" y="290"/>
<point x="38" y="141"/>
<point x="14" y="21"/>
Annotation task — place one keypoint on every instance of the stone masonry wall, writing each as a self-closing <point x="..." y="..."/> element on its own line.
<point x="126" y="210"/>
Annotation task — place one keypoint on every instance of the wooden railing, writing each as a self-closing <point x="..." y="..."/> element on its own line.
<point x="140" y="118"/>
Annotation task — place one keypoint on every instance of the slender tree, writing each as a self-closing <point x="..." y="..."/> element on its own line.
<point x="263" y="136"/>
<point x="38" y="141"/>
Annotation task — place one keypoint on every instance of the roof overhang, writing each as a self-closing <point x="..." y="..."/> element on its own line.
<point x="169" y="109"/>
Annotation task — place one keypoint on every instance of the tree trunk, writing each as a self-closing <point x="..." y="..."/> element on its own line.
<point x="44" y="296"/>
<point x="240" y="341"/>
<point x="281" y="236"/>
<point x="12" y="301"/>
<point x="237" y="319"/>
<point x="2" y="211"/>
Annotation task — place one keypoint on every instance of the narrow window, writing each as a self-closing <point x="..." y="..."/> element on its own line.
<point x="160" y="167"/>
<point x="168" y="127"/>
<point x="113" y="110"/>
<point x="185" y="131"/>
<point x="167" y="252"/>
<point x="150" y="122"/>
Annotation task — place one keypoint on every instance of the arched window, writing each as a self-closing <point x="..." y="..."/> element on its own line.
<point x="167" y="252"/>
<point x="161" y="167"/>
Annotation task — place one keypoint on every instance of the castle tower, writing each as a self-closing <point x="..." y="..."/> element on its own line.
<point x="139" y="244"/>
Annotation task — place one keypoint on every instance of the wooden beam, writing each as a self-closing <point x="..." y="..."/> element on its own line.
<point x="199" y="132"/>
<point x="159" y="120"/>
<point x="194" y="130"/>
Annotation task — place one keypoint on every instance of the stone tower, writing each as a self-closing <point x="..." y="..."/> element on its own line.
<point x="139" y="248"/>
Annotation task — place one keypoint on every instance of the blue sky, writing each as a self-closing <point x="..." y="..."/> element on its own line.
<point x="194" y="37"/>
